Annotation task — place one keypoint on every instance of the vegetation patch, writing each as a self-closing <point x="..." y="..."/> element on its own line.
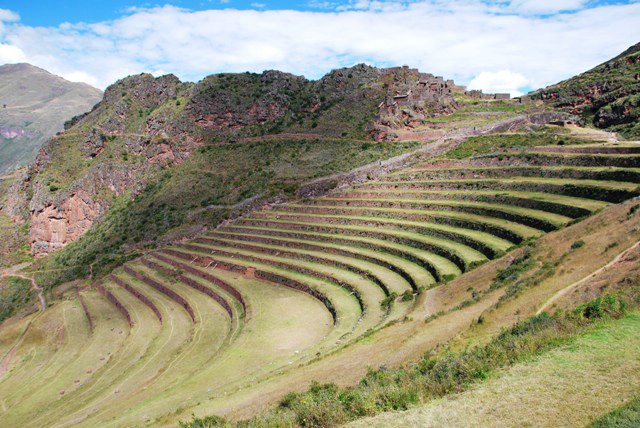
<point x="627" y="416"/>
<point x="15" y="293"/>
<point x="204" y="190"/>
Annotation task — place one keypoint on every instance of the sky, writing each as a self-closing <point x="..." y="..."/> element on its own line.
<point x="496" y="45"/>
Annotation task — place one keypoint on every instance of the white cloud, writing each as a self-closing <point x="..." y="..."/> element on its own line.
<point x="80" y="76"/>
<point x="10" y="54"/>
<point x="456" y="39"/>
<point x="500" y="81"/>
<point x="7" y="15"/>
<point x="547" y="6"/>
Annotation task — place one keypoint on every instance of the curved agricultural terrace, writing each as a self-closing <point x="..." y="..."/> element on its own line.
<point x="185" y="326"/>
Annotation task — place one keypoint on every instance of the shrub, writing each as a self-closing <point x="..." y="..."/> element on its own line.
<point x="387" y="302"/>
<point x="577" y="244"/>
<point x="407" y="296"/>
<point x="603" y="307"/>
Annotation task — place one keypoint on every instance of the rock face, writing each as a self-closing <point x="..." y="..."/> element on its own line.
<point x="54" y="227"/>
<point x="608" y="95"/>
<point x="145" y="125"/>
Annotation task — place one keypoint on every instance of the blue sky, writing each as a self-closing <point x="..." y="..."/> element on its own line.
<point x="55" y="12"/>
<point x="495" y="45"/>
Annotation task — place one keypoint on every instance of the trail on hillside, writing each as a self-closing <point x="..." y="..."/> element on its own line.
<point x="566" y="290"/>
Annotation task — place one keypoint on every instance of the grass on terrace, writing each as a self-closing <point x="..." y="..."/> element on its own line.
<point x="475" y="146"/>
<point x="589" y="204"/>
<point x="443" y="266"/>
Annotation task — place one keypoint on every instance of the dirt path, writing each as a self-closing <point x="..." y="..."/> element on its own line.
<point x="558" y="295"/>
<point x="12" y="271"/>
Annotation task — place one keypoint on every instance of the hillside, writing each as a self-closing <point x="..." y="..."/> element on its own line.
<point x="587" y="370"/>
<point x="34" y="104"/>
<point x="170" y="157"/>
<point x="607" y="96"/>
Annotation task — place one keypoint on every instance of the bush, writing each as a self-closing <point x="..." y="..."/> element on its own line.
<point x="387" y="302"/>
<point x="407" y="296"/>
<point x="577" y="244"/>
<point x="609" y="306"/>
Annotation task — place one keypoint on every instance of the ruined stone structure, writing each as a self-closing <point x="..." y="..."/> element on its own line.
<point x="477" y="93"/>
<point x="411" y="97"/>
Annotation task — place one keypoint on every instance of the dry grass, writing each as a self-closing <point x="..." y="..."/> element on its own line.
<point x="571" y="386"/>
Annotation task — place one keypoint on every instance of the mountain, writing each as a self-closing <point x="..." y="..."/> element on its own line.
<point x="34" y="104"/>
<point x="608" y="96"/>
<point x="161" y="148"/>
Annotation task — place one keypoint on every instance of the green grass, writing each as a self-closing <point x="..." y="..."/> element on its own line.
<point x="443" y="266"/>
<point x="420" y="276"/>
<point x="468" y="255"/>
<point x="457" y="234"/>
<point x="346" y="305"/>
<point x="589" y="204"/>
<point x="631" y="175"/>
<point x="475" y="146"/>
<point x="368" y="291"/>
<point x="393" y="281"/>
<point x="627" y="416"/>
<point x="15" y="293"/>
<point x="618" y="185"/>
<point x="551" y="218"/>
<point x="388" y="212"/>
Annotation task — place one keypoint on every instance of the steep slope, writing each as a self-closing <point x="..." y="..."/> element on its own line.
<point x="34" y="104"/>
<point x="607" y="96"/>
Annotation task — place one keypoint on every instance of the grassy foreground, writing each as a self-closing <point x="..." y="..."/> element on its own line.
<point x="570" y="386"/>
<point x="446" y="373"/>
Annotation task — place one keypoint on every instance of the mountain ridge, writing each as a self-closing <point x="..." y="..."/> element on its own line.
<point x="34" y="104"/>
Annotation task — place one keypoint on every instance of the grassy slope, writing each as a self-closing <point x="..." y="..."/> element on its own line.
<point x="627" y="416"/>
<point x="13" y="246"/>
<point x="475" y="146"/>
<point x="442" y="314"/>
<point x="570" y="386"/>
